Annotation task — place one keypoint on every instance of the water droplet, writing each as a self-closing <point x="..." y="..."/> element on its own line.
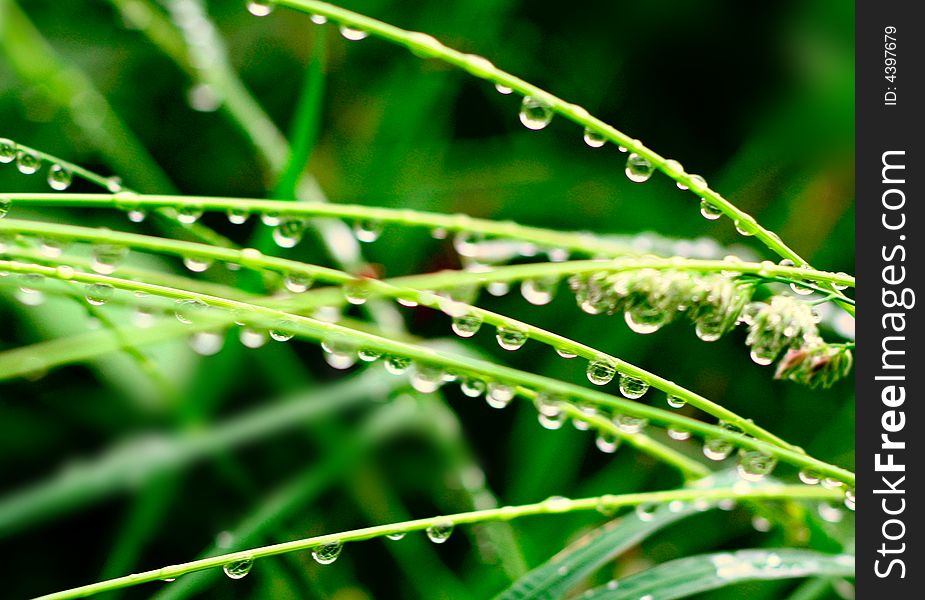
<point x="440" y="532"/>
<point x="810" y="477"/>
<point x="467" y="325"/>
<point x="426" y="379"/>
<point x="638" y="168"/>
<point x="550" y="411"/>
<point x="850" y="500"/>
<point x="710" y="211"/>
<point x="238" y="216"/>
<point x="510" y="338"/>
<point x="7" y="151"/>
<point x="65" y="272"/>
<point x="632" y="388"/>
<point x="51" y="248"/>
<point x="107" y="258"/>
<point x="594" y="139"/>
<point x="327" y="553"/>
<point x="298" y="282"/>
<point x="678" y="434"/>
<point x="206" y="343"/>
<point x="270" y="219"/>
<point x="238" y="569"/>
<point x="396" y="365"/>
<point x="289" y="233"/>
<point x="252" y="338"/>
<point x="136" y="215"/>
<point x="830" y="513"/>
<point x="197" y="264"/>
<point x="607" y="442"/>
<point x="630" y="423"/>
<point x="260" y="8"/>
<point x="356" y="292"/>
<point x="717" y="448"/>
<point x="98" y="294"/>
<point x="675" y="402"/>
<point x="472" y="387"/>
<point x="114" y="184"/>
<point x="499" y="395"/>
<point x="539" y="291"/>
<point x="754" y="465"/>
<point x="534" y="113"/>
<point x="352" y="34"/>
<point x="601" y="371"/>
<point x="398" y="535"/>
<point x="566" y="352"/>
<point x="746" y="226"/>
<point x="282" y="333"/>
<point x="5" y="205"/>
<point x="188" y="308"/>
<point x="368" y="354"/>
<point x="501" y="89"/>
<point x="498" y="288"/>
<point x="59" y="178"/>
<point x="189" y="214"/>
<point x="646" y="512"/>
<point x="367" y="231"/>
<point x="27" y="161"/>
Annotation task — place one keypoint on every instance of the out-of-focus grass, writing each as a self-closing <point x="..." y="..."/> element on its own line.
<point x="758" y="103"/>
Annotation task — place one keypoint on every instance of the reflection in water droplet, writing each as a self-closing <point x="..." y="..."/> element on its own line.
<point x="632" y="387"/>
<point x="440" y="532"/>
<point x="534" y="113"/>
<point x="352" y="34"/>
<point x="594" y="139"/>
<point x="638" y="169"/>
<point x="327" y="553"/>
<point x="238" y="569"/>
<point x="510" y="338"/>
<point x="59" y="177"/>
<point x="601" y="371"/>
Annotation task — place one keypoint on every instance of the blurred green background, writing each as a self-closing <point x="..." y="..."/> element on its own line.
<point x="756" y="98"/>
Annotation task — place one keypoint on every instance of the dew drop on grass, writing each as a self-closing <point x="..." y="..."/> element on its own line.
<point x="367" y="231"/>
<point x="289" y="233"/>
<point x="426" y="379"/>
<point x="396" y="365"/>
<point x="188" y="214"/>
<point x="498" y="288"/>
<point x="710" y="211"/>
<point x="499" y="395"/>
<point x="7" y="150"/>
<point x="717" y="448"/>
<point x="297" y="282"/>
<point x="646" y="512"/>
<point x="675" y="402"/>
<point x="136" y="215"/>
<point x="27" y="161"/>
<point x="472" y="387"/>
<point x="467" y="325"/>
<point x="630" y="424"/>
<point x="107" y="258"/>
<point x="638" y="168"/>
<point x="607" y="442"/>
<point x="238" y="569"/>
<point x="260" y="8"/>
<point x="503" y="89"/>
<point x="510" y="338"/>
<point x="59" y="177"/>
<point x="188" y="308"/>
<point x="5" y="205"/>
<point x="197" y="264"/>
<point x="354" y="35"/>
<point x="745" y="226"/>
<point x="754" y="465"/>
<point x="632" y="387"/>
<point x="679" y="435"/>
<point x="206" y="343"/>
<point x="238" y="216"/>
<point x="601" y="371"/>
<point x="534" y="113"/>
<point x="318" y="19"/>
<point x="356" y="293"/>
<point x="368" y="354"/>
<point x="327" y="553"/>
<point x="850" y="500"/>
<point x="98" y="294"/>
<point x="252" y="338"/>
<point x="440" y="532"/>
<point x="398" y="535"/>
<point x="270" y="219"/>
<point x="538" y="291"/>
<point x="282" y="332"/>
<point x="810" y="477"/>
<point x="565" y="352"/>
<point x="594" y="139"/>
<point x="114" y="184"/>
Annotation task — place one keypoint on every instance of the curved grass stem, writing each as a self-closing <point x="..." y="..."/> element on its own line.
<point x="320" y="331"/>
<point x="552" y="506"/>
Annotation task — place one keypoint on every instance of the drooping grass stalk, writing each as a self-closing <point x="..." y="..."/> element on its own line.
<point x="548" y="507"/>
<point x="424" y="45"/>
<point x="320" y="331"/>
<point x="409" y="288"/>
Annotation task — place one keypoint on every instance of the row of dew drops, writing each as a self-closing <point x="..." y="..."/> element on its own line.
<point x="536" y="114"/>
<point x="29" y="162"/>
